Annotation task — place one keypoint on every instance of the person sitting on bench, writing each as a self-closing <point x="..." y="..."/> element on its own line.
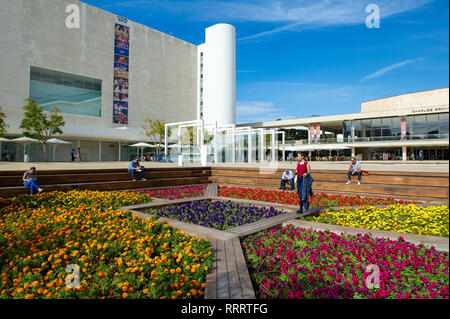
<point x="288" y="176"/>
<point x="135" y="166"/>
<point x="354" y="170"/>
<point x="30" y="180"/>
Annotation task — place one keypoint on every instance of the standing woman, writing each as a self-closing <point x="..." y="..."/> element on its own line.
<point x="303" y="169"/>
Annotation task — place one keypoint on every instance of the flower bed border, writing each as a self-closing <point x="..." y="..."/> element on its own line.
<point x="223" y="282"/>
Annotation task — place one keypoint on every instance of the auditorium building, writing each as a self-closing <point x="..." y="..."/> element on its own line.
<point x="107" y="76"/>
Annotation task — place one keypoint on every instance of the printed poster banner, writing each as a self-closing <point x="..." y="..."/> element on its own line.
<point x="311" y="132"/>
<point x="403" y="128"/>
<point x="121" y="69"/>
<point x="317" y="132"/>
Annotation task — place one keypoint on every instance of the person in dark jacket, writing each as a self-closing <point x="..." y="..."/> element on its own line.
<point x="303" y="170"/>
<point x="30" y="180"/>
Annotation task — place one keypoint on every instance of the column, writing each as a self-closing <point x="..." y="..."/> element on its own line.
<point x="404" y="153"/>
<point x="261" y="145"/>
<point x="166" y="140"/>
<point x="179" y="139"/>
<point x="120" y="151"/>
<point x="272" y="137"/>
<point x="99" y="151"/>
<point x="249" y="144"/>
<point x="353" y="152"/>
<point x="233" y="142"/>
<point x="283" y="142"/>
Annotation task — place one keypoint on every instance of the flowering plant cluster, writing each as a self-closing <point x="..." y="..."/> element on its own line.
<point x="422" y="220"/>
<point x="218" y="215"/>
<point x="117" y="254"/>
<point x="299" y="263"/>
<point x="291" y="198"/>
<point x="180" y="192"/>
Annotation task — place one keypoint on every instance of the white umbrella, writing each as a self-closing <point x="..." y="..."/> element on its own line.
<point x="25" y="141"/>
<point x="141" y="145"/>
<point x="55" y="142"/>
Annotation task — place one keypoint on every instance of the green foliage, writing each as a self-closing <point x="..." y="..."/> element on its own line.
<point x="155" y="130"/>
<point x="3" y="124"/>
<point x="41" y="125"/>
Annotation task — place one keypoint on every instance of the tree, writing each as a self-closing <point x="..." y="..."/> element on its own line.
<point x="3" y="124"/>
<point x="41" y="125"/>
<point x="155" y="130"/>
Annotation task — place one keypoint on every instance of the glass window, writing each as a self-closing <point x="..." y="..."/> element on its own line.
<point x="410" y="125"/>
<point x="70" y="93"/>
<point x="443" y="123"/>
<point x="357" y="124"/>
<point x="366" y="124"/>
<point x="432" y="124"/>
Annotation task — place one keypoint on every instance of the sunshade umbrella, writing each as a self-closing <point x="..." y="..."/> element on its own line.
<point x="25" y="141"/>
<point x="141" y="145"/>
<point x="55" y="142"/>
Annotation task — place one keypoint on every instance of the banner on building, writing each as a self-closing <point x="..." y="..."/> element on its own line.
<point x="403" y="128"/>
<point x="312" y="132"/>
<point x="317" y="132"/>
<point x="121" y="69"/>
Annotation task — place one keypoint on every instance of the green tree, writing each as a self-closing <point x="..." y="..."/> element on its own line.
<point x="41" y="125"/>
<point x="155" y="130"/>
<point x="3" y="124"/>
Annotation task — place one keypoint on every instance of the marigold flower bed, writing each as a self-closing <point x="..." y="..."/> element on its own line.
<point x="291" y="198"/>
<point x="428" y="220"/>
<point x="302" y="263"/>
<point x="218" y="215"/>
<point x="172" y="193"/>
<point x="119" y="255"/>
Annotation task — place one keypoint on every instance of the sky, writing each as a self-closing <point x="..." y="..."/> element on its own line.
<point x="301" y="58"/>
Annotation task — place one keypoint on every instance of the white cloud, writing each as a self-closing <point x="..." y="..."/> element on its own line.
<point x="288" y="14"/>
<point x="389" y="68"/>
<point x="255" y="111"/>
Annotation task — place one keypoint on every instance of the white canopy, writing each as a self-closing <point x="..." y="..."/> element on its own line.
<point x="57" y="141"/>
<point x="25" y="140"/>
<point x="2" y="139"/>
<point x="142" y="144"/>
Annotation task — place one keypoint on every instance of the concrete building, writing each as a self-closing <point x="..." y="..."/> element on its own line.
<point x="106" y="76"/>
<point x="403" y="127"/>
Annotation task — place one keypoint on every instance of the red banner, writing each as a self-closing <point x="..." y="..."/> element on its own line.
<point x="403" y="128"/>
<point x="317" y="132"/>
<point x="312" y="132"/>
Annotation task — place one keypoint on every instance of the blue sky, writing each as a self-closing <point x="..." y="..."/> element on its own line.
<point x="312" y="57"/>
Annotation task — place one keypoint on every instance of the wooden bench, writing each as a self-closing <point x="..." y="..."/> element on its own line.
<point x="410" y="184"/>
<point x="115" y="179"/>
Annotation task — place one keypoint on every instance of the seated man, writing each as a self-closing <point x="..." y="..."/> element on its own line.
<point x="354" y="170"/>
<point x="30" y="180"/>
<point x="287" y="176"/>
<point x="135" y="166"/>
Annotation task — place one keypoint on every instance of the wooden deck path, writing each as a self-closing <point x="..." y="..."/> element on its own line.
<point x="229" y="277"/>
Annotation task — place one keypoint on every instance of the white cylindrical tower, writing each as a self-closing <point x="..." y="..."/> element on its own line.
<point x="219" y="74"/>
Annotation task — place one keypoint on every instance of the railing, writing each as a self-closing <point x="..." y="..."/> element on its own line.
<point x="378" y="139"/>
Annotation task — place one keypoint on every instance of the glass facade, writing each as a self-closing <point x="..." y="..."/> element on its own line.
<point x="429" y="126"/>
<point x="70" y="93"/>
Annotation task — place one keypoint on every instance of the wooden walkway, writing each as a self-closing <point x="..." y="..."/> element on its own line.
<point x="229" y="277"/>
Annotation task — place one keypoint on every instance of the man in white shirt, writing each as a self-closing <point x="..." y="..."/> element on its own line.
<point x="287" y="176"/>
<point x="354" y="170"/>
